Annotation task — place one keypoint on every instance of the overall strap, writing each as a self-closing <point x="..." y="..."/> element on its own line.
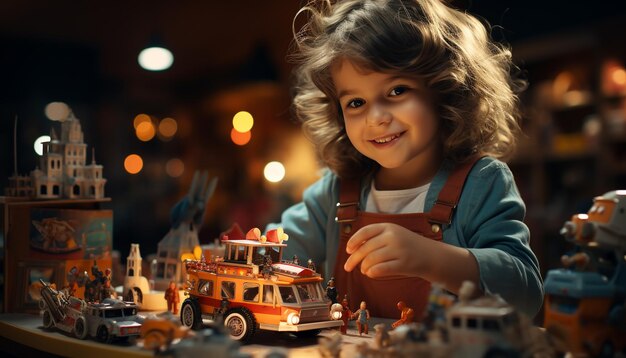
<point x="348" y="205"/>
<point x="441" y="212"/>
<point x="448" y="198"/>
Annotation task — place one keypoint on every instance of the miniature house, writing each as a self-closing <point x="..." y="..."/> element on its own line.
<point x="177" y="242"/>
<point x="64" y="173"/>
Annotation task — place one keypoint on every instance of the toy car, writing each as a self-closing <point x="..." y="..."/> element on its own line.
<point x="108" y="320"/>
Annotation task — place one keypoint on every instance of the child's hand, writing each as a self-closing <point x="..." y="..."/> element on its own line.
<point x="385" y="250"/>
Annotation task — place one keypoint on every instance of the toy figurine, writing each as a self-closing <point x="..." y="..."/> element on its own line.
<point x="331" y="290"/>
<point x="267" y="267"/>
<point x="406" y="315"/>
<point x="362" y="316"/>
<point x="311" y="265"/>
<point x="296" y="261"/>
<point x="381" y="337"/>
<point x="346" y="314"/>
<point x="171" y="296"/>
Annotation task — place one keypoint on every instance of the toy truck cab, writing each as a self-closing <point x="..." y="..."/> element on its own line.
<point x="486" y="326"/>
<point x="108" y="320"/>
<point x="251" y="289"/>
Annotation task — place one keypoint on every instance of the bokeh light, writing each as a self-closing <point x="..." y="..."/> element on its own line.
<point x="133" y="164"/>
<point x="240" y="138"/>
<point x="141" y="118"/>
<point x="168" y="127"/>
<point x="155" y="59"/>
<point x="619" y="76"/>
<point x="243" y="122"/>
<point x="274" y="172"/>
<point x="57" y="111"/>
<point x="145" y="131"/>
<point x="175" y="167"/>
<point x="38" y="145"/>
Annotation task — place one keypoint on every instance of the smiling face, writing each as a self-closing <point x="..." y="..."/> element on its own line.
<point x="391" y="120"/>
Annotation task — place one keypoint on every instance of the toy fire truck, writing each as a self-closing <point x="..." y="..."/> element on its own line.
<point x="585" y="308"/>
<point x="251" y="288"/>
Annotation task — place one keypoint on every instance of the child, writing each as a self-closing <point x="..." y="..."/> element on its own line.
<point x="409" y="104"/>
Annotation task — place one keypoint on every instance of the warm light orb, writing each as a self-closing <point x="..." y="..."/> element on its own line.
<point x="168" y="127"/>
<point x="57" y="111"/>
<point x="619" y="76"/>
<point x="38" y="145"/>
<point x="145" y="131"/>
<point x="240" y="138"/>
<point x="174" y="167"/>
<point x="155" y="59"/>
<point x="133" y="164"/>
<point x="243" y="121"/>
<point x="141" y="118"/>
<point x="274" y="172"/>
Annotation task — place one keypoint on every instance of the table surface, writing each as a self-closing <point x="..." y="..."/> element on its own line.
<point x="27" y="330"/>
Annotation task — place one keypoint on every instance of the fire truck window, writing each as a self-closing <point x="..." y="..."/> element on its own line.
<point x="205" y="288"/>
<point x="308" y="293"/>
<point x="257" y="255"/>
<point x="472" y="323"/>
<point x="456" y="322"/>
<point x="228" y="290"/>
<point x="241" y="253"/>
<point x="274" y="253"/>
<point x="287" y="294"/>
<point x="268" y="294"/>
<point x="251" y="292"/>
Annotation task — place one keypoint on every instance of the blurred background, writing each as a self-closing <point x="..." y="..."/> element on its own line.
<point x="152" y="129"/>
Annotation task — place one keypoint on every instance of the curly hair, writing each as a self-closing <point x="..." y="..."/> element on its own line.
<point x="470" y="76"/>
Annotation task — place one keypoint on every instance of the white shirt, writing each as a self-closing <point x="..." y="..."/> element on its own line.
<point x="397" y="201"/>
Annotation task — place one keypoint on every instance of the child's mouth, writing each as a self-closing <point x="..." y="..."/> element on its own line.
<point x="382" y="141"/>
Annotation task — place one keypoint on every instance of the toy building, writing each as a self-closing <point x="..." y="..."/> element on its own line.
<point x="51" y="221"/>
<point x="182" y="238"/>
<point x="64" y="172"/>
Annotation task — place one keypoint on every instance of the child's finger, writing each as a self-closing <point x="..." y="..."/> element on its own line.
<point x="360" y="253"/>
<point x="362" y="235"/>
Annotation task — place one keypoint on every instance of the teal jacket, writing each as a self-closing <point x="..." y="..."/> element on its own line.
<point x="488" y="221"/>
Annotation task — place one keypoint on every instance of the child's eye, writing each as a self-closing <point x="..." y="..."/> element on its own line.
<point x="397" y="91"/>
<point x="355" y="103"/>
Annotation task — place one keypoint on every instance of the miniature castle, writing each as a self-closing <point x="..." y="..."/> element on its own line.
<point x="64" y="173"/>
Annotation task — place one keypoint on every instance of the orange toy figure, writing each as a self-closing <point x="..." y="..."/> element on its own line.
<point x="171" y="296"/>
<point x="362" y="316"/>
<point x="406" y="315"/>
<point x="346" y="313"/>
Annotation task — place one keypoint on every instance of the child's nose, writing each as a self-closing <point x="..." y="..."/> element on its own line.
<point x="378" y="115"/>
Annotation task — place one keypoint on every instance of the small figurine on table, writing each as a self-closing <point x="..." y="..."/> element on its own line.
<point x="311" y="265"/>
<point x="406" y="315"/>
<point x="331" y="290"/>
<point x="172" y="298"/>
<point x="346" y="313"/>
<point x="296" y="260"/>
<point x="362" y="316"/>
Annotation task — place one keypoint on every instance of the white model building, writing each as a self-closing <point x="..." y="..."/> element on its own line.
<point x="63" y="172"/>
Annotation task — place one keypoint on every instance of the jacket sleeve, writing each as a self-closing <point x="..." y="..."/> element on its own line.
<point x="499" y="240"/>
<point x="306" y="221"/>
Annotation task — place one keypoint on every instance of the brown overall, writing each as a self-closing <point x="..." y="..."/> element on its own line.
<point x="382" y="295"/>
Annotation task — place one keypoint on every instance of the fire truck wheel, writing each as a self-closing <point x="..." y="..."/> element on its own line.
<point x="307" y="334"/>
<point x="47" y="319"/>
<point x="80" y="328"/>
<point x="190" y="314"/>
<point x="240" y="324"/>
<point x="103" y="335"/>
<point x="42" y="304"/>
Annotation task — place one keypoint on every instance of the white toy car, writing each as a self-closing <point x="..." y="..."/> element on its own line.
<point x="108" y="320"/>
